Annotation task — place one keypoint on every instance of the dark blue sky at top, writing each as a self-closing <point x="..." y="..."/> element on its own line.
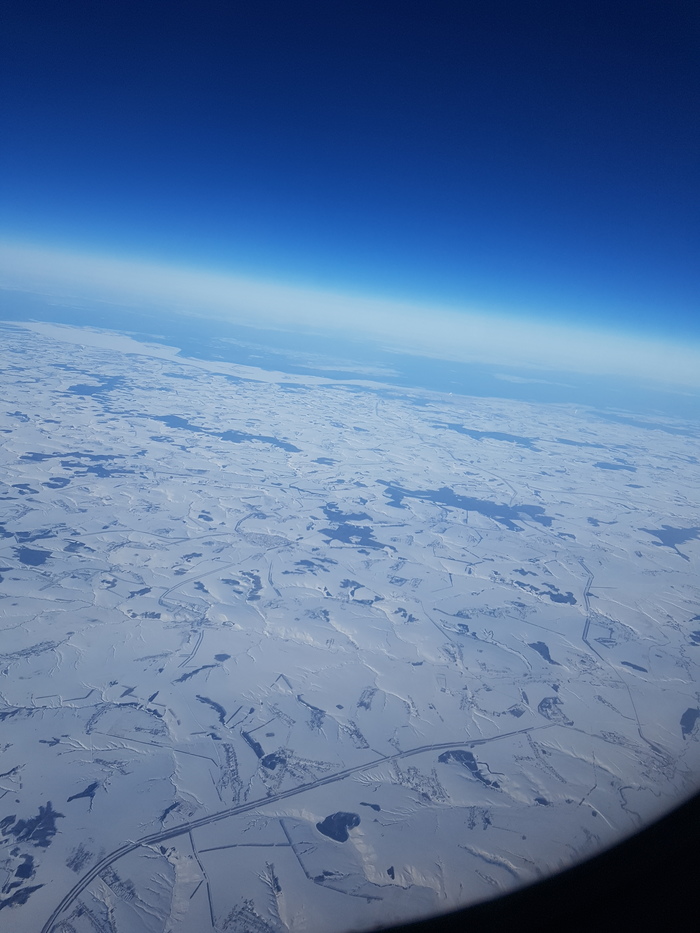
<point x="538" y="157"/>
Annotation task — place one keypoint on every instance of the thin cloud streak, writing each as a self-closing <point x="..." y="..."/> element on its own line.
<point x="445" y="333"/>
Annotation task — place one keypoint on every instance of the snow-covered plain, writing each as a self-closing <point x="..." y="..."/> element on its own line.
<point x="293" y="653"/>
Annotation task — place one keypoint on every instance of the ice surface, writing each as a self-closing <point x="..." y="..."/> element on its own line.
<point x="241" y="608"/>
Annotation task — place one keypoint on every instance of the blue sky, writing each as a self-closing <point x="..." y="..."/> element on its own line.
<point x="536" y="159"/>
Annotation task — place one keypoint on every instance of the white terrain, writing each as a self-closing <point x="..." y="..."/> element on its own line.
<point x="293" y="653"/>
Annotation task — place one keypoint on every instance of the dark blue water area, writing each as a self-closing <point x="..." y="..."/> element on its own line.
<point x="88" y="793"/>
<point x="366" y="359"/>
<point x="26" y="868"/>
<point x="273" y="759"/>
<point x="217" y="707"/>
<point x="671" y="537"/>
<point x="568" y="443"/>
<point x="104" y="385"/>
<point x="334" y="514"/>
<point x="541" y="648"/>
<point x="649" y="425"/>
<point x="467" y="760"/>
<point x="490" y="435"/>
<point x="254" y="744"/>
<point x="337" y="825"/>
<point x="688" y="721"/>
<point x="502" y="513"/>
<point x="615" y="466"/>
<point x="38" y="830"/>
<point x="19" y="897"/>
<point x="235" y="437"/>
<point x="31" y="557"/>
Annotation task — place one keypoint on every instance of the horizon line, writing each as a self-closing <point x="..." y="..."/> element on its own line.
<point x="440" y="331"/>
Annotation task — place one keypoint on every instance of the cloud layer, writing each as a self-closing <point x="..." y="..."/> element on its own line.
<point x="464" y="335"/>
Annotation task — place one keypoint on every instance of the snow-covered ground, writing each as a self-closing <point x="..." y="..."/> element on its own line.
<point x="236" y="603"/>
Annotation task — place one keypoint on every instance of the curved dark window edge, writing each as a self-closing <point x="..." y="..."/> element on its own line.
<point x="647" y="881"/>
